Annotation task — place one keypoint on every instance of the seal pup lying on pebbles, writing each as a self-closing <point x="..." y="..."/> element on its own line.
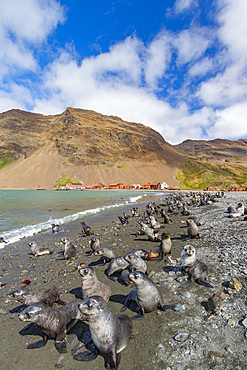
<point x="239" y="211"/>
<point x="146" y="295"/>
<point x="69" y="248"/>
<point x="117" y="264"/>
<point x="191" y="265"/>
<point x="39" y="251"/>
<point x="106" y="254"/>
<point x="55" y="322"/>
<point x="163" y="249"/>
<point x="91" y="285"/>
<point x="137" y="262"/>
<point x="28" y="297"/>
<point x="110" y="333"/>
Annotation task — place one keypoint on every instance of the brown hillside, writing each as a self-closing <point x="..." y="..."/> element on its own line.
<point x="37" y="150"/>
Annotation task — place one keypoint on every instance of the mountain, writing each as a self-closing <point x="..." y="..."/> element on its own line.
<point x="216" y="162"/>
<point x="36" y="150"/>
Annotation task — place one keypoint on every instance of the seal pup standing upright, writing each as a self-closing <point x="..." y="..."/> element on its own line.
<point x="55" y="322"/>
<point x="69" y="248"/>
<point x="191" y="265"/>
<point x="163" y="249"/>
<point x="91" y="285"/>
<point x="146" y="295"/>
<point x="39" y="251"/>
<point x="192" y="229"/>
<point x="86" y="229"/>
<point x="28" y="297"/>
<point x="94" y="245"/>
<point x="110" y="333"/>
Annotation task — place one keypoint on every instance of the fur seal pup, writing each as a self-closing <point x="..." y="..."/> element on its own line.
<point x="28" y="297"/>
<point x="94" y="245"/>
<point x="39" y="251"/>
<point x="55" y="322"/>
<point x="91" y="285"/>
<point x="117" y="264"/>
<point x="86" y="229"/>
<point x="150" y="233"/>
<point x="196" y="219"/>
<point x="192" y="229"/>
<point x="146" y="295"/>
<point x="106" y="254"/>
<point x="136" y="262"/>
<point x="191" y="265"/>
<point x="163" y="249"/>
<point x="123" y="221"/>
<point x="110" y="333"/>
<point x="141" y="253"/>
<point x="55" y="228"/>
<point x="154" y="223"/>
<point x="69" y="248"/>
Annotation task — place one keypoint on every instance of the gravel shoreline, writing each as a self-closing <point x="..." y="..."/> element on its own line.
<point x="192" y="337"/>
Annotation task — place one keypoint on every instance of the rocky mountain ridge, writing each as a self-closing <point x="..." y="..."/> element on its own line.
<point x="37" y="150"/>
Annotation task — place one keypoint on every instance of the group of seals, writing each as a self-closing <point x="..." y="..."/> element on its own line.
<point x="110" y="333"/>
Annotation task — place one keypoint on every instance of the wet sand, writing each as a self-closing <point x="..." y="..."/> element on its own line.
<point x="153" y="335"/>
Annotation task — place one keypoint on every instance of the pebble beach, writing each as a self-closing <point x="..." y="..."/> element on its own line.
<point x="207" y="329"/>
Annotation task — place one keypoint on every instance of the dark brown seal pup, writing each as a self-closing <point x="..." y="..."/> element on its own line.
<point x="191" y="265"/>
<point x="94" y="245"/>
<point x="69" y="248"/>
<point x="55" y="322"/>
<point x="146" y="295"/>
<point x="86" y="230"/>
<point x="91" y="285"/>
<point x="163" y="249"/>
<point x="110" y="333"/>
<point x="28" y="297"/>
<point x="39" y="251"/>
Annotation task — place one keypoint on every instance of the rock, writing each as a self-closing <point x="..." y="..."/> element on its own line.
<point x="244" y="322"/>
<point x="214" y="303"/>
<point x="178" y="307"/>
<point x="181" y="337"/>
<point x="235" y="284"/>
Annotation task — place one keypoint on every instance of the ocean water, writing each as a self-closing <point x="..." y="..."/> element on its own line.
<point x="26" y="212"/>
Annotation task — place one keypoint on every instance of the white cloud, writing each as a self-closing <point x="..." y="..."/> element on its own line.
<point x="182" y="5"/>
<point x="191" y="44"/>
<point x="157" y="61"/>
<point x="231" y="120"/>
<point x="24" y="23"/>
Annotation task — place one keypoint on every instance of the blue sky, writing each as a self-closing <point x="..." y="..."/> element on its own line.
<point x="176" y="66"/>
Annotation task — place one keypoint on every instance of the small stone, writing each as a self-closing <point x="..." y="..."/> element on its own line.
<point x="235" y="284"/>
<point x="231" y="323"/>
<point x="178" y="307"/>
<point x="181" y="337"/>
<point x="244" y="322"/>
<point x="183" y="293"/>
<point x="171" y="273"/>
<point x="214" y="303"/>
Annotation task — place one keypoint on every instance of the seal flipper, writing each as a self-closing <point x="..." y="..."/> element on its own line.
<point x="109" y="276"/>
<point x="139" y="316"/>
<point x="80" y="345"/>
<point x="126" y="304"/>
<point x="61" y="345"/>
<point x="165" y="307"/>
<point x="86" y="356"/>
<point x="39" y="344"/>
<point x="204" y="283"/>
<point x="111" y="360"/>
